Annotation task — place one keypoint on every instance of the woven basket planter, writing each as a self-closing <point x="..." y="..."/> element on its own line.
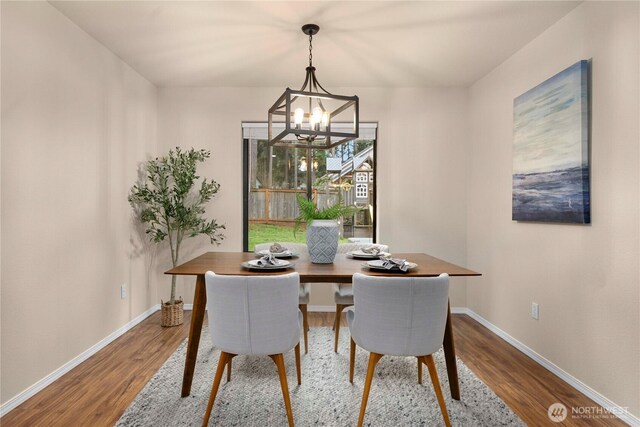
<point x="172" y="314"/>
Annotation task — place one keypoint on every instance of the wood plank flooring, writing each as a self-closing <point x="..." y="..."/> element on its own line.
<point x="97" y="392"/>
<point x="525" y="386"/>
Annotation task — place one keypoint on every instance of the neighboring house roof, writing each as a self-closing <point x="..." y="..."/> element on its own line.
<point x="354" y="163"/>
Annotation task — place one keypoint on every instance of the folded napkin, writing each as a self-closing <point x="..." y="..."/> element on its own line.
<point x="372" y="250"/>
<point x="277" y="248"/>
<point x="401" y="264"/>
<point x="267" y="260"/>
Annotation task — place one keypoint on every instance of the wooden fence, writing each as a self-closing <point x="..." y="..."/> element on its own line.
<point x="274" y="205"/>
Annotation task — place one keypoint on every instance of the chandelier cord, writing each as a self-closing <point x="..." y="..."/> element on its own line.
<point x="310" y="47"/>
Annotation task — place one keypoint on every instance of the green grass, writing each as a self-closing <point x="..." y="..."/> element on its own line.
<point x="269" y="233"/>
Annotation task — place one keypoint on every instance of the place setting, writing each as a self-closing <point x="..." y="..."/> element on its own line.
<point x="267" y="263"/>
<point x="390" y="265"/>
<point x="277" y="251"/>
<point x="271" y="259"/>
<point x="370" y="252"/>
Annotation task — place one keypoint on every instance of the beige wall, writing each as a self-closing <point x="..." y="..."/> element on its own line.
<point x="585" y="278"/>
<point x="76" y="121"/>
<point x="421" y="165"/>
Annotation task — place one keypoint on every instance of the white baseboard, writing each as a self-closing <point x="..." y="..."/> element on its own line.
<point x="460" y="310"/>
<point x="601" y="400"/>
<point x="38" y="386"/>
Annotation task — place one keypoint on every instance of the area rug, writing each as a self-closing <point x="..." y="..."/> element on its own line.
<point x="325" y="398"/>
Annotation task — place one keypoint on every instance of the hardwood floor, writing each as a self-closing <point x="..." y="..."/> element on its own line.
<point x="525" y="386"/>
<point x="97" y="392"/>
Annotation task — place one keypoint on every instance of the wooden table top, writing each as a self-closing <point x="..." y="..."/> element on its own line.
<point x="341" y="270"/>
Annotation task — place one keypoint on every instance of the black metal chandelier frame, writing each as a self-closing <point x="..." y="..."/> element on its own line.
<point x="314" y="137"/>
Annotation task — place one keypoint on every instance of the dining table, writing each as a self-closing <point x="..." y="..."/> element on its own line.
<point x="340" y="271"/>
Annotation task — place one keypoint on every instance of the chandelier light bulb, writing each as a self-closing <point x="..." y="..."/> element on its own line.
<point x="316" y="116"/>
<point x="298" y="116"/>
<point x="325" y="119"/>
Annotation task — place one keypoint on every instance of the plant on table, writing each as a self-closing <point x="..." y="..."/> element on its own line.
<point x="308" y="211"/>
<point x="322" y="227"/>
<point x="171" y="204"/>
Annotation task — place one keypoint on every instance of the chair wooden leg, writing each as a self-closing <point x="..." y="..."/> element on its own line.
<point x="339" y="308"/>
<point x="335" y="319"/>
<point x="352" y="360"/>
<point x="279" y="361"/>
<point x="305" y="326"/>
<point x="222" y="362"/>
<point x="374" y="358"/>
<point x="419" y="370"/>
<point x="297" y="352"/>
<point x="428" y="360"/>
<point x="231" y="356"/>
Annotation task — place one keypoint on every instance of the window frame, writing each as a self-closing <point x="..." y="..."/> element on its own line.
<point x="246" y="178"/>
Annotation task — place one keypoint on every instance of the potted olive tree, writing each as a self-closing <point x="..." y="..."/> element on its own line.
<point x="323" y="232"/>
<point x="172" y="206"/>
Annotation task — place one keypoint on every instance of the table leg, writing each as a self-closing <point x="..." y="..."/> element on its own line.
<point x="450" y="357"/>
<point x="197" y="317"/>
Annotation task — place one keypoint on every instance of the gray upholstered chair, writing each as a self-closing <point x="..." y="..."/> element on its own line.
<point x="343" y="292"/>
<point x="256" y="315"/>
<point x="305" y="288"/>
<point x="399" y="316"/>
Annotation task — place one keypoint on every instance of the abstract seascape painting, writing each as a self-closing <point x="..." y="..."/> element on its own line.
<point x="551" y="149"/>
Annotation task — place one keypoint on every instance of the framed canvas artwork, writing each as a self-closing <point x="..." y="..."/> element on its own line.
<point x="551" y="149"/>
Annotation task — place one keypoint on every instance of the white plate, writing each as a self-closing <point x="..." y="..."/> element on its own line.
<point x="285" y="254"/>
<point x="379" y="265"/>
<point x="363" y="255"/>
<point x="253" y="265"/>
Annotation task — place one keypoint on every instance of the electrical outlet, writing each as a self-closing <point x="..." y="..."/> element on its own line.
<point x="123" y="291"/>
<point x="535" y="310"/>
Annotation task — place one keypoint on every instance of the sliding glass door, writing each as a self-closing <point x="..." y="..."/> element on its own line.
<point x="275" y="176"/>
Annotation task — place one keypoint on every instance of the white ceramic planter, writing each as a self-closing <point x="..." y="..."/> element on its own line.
<point x="322" y="241"/>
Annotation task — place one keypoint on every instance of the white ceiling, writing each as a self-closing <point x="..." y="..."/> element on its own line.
<point x="361" y="43"/>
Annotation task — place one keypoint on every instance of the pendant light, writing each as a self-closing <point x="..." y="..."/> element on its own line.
<point x="312" y="116"/>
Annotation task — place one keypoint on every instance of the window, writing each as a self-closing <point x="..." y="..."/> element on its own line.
<point x="274" y="176"/>
<point x="362" y="176"/>
<point x="362" y="191"/>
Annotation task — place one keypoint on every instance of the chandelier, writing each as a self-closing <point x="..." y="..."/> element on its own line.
<point x="311" y="115"/>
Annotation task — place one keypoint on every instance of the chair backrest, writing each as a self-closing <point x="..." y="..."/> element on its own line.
<point x="253" y="314"/>
<point x="300" y="248"/>
<point x="402" y="316"/>
<point x="343" y="248"/>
